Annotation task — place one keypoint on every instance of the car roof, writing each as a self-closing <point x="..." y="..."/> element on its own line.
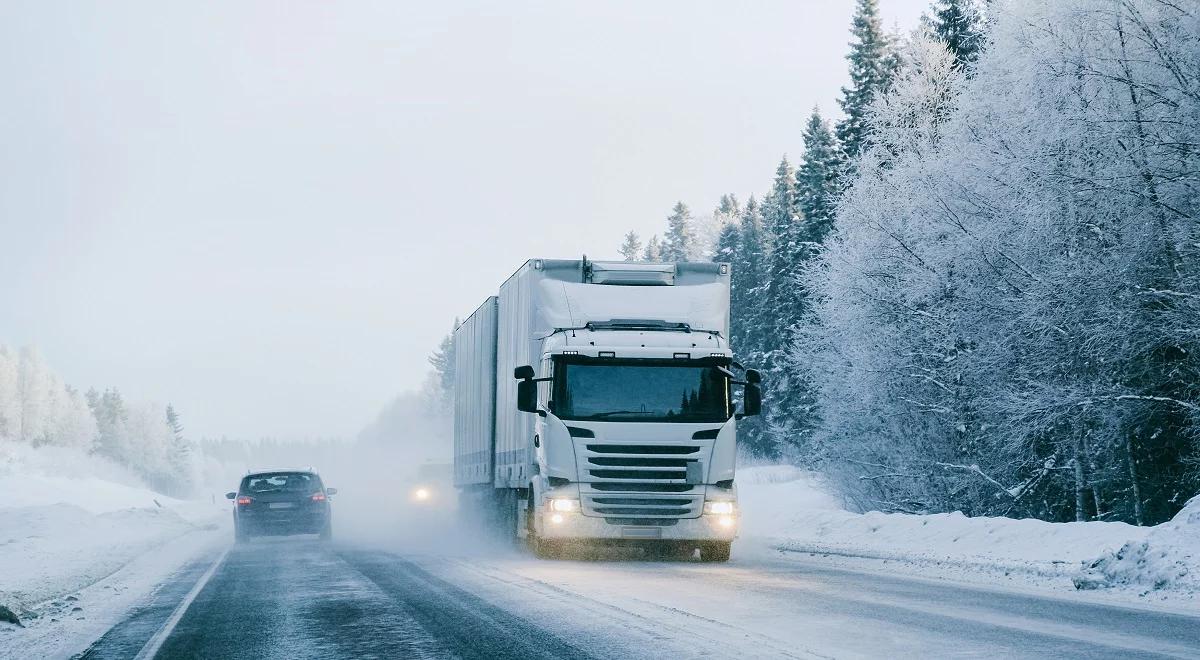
<point x="255" y="473"/>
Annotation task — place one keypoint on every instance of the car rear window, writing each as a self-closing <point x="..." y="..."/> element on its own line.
<point x="281" y="482"/>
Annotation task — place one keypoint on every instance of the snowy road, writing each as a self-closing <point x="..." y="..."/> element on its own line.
<point x="290" y="598"/>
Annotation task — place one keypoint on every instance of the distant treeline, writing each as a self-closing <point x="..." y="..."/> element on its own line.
<point x="38" y="409"/>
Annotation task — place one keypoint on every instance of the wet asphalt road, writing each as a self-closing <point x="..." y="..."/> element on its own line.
<point x="288" y="598"/>
<point x="301" y="598"/>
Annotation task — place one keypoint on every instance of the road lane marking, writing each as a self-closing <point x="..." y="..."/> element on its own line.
<point x="155" y="643"/>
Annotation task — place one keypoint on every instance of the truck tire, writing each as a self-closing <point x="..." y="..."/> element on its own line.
<point x="716" y="551"/>
<point x="541" y="548"/>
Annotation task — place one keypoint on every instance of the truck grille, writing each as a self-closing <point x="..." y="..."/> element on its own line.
<point x="642" y="481"/>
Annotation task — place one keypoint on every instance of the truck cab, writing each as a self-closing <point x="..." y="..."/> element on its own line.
<point x="620" y="427"/>
<point x="638" y="447"/>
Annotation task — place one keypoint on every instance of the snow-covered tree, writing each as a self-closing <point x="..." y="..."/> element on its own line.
<point x="749" y="280"/>
<point x="1005" y="318"/>
<point x="959" y="25"/>
<point x="708" y="228"/>
<point x="10" y="408"/>
<point x="653" y="251"/>
<point x="727" y="244"/>
<point x="631" y="247"/>
<point x="680" y="240"/>
<point x="181" y="456"/>
<point x="71" y="423"/>
<point x="872" y="66"/>
<point x="751" y="329"/>
<point x="781" y="214"/>
<point x="442" y="361"/>
<point x="112" y="417"/>
<point x="34" y="386"/>
<point x="816" y="181"/>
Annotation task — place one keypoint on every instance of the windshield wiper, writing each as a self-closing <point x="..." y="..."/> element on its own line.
<point x="620" y="412"/>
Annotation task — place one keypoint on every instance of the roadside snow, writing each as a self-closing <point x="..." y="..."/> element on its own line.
<point x="1166" y="558"/>
<point x="786" y="509"/>
<point x="70" y="522"/>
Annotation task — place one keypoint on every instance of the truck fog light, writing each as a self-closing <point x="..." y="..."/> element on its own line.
<point x="725" y="521"/>
<point x="556" y="519"/>
<point x="719" y="508"/>
<point x="564" y="505"/>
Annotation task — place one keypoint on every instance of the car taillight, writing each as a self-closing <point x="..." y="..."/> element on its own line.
<point x="319" y="497"/>
<point x="244" y="501"/>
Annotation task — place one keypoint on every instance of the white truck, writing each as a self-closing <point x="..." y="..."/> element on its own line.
<point x="596" y="404"/>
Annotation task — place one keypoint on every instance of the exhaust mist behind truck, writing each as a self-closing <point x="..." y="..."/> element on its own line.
<point x="596" y="404"/>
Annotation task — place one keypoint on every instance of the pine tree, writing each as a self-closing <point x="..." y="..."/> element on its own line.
<point x="749" y="320"/>
<point x="173" y="422"/>
<point x="680" y="239"/>
<point x="781" y="213"/>
<point x="872" y="65"/>
<point x="749" y="284"/>
<point x="727" y="244"/>
<point x="958" y="24"/>
<point x="112" y="418"/>
<point x="631" y="249"/>
<point x="728" y="208"/>
<point x="816" y="182"/>
<point x="179" y="456"/>
<point x="653" y="251"/>
<point x="442" y="361"/>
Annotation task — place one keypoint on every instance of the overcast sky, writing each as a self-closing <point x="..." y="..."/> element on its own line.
<point x="269" y="213"/>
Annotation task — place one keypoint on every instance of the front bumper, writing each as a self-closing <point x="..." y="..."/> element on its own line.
<point x="578" y="526"/>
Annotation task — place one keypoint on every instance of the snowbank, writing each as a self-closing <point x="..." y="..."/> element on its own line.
<point x="789" y="510"/>
<point x="1166" y="558"/>
<point x="63" y="528"/>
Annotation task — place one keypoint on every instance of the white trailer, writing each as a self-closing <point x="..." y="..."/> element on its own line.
<point x="596" y="403"/>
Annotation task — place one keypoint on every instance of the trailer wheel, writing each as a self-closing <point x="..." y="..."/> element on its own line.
<point x="716" y="551"/>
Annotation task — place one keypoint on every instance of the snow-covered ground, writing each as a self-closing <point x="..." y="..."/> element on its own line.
<point x="787" y="511"/>
<point x="80" y="542"/>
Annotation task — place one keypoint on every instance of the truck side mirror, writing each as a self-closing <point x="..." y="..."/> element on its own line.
<point x="524" y="373"/>
<point x="753" y="376"/>
<point x="527" y="395"/>
<point x="752" y="400"/>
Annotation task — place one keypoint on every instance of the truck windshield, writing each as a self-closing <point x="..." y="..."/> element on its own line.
<point x="641" y="391"/>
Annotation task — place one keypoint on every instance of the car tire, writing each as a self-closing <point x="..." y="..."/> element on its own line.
<point x="716" y="551"/>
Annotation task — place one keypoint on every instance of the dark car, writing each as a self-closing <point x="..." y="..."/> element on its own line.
<point x="281" y="502"/>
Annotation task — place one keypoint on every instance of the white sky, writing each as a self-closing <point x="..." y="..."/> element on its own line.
<point x="269" y="213"/>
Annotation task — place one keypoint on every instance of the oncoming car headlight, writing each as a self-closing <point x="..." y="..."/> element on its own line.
<point x="719" y="508"/>
<point x="559" y="505"/>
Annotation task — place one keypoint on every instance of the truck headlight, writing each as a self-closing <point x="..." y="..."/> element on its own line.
<point x="561" y="505"/>
<point x="719" y="508"/>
